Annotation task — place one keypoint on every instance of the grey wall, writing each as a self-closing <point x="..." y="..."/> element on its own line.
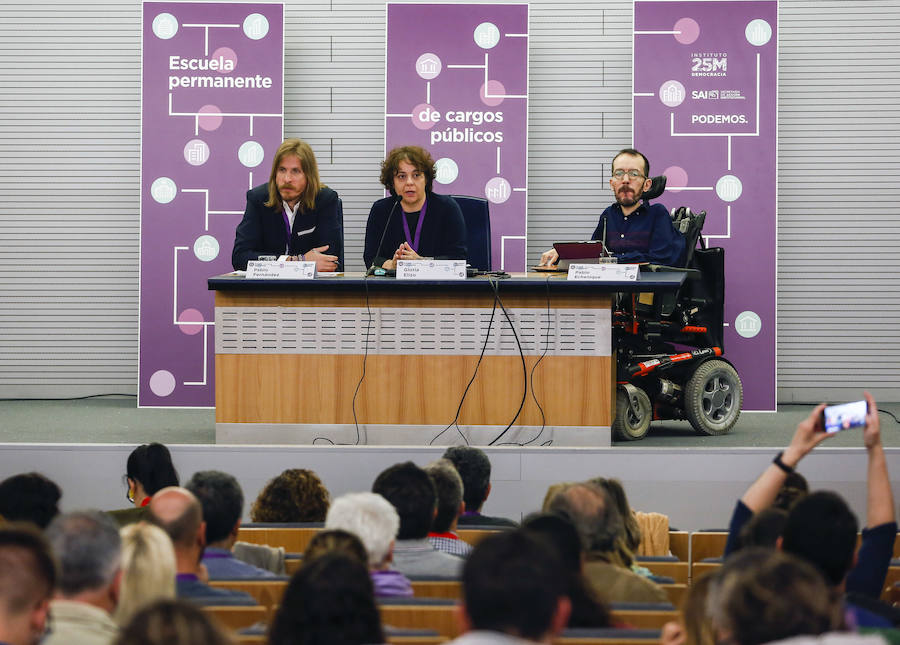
<point x="69" y="172"/>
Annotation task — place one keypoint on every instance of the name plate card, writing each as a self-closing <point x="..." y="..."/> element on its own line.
<point x="604" y="272"/>
<point x="431" y="269"/>
<point x="257" y="270"/>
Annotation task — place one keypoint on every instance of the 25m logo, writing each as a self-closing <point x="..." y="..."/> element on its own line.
<point x="709" y="65"/>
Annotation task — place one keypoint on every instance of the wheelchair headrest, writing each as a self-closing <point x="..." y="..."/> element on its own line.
<point x="657" y="186"/>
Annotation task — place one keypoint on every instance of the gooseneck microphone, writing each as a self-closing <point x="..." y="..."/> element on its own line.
<point x="372" y="268"/>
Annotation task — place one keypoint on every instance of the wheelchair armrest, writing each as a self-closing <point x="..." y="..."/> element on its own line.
<point x="692" y="273"/>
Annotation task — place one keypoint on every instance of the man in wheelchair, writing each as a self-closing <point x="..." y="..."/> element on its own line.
<point x="668" y="346"/>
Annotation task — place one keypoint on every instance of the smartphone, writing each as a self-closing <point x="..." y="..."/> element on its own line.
<point x="844" y="416"/>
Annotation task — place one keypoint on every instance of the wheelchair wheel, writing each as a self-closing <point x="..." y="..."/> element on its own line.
<point x="713" y="397"/>
<point x="633" y="414"/>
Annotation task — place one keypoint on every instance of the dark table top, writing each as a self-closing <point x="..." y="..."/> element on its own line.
<point x="648" y="281"/>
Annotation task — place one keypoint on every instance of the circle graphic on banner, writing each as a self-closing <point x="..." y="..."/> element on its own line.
<point x="206" y="248"/>
<point x="227" y="58"/>
<point x="424" y="116"/>
<point x="686" y="30"/>
<point x="486" y="35"/>
<point x="677" y="178"/>
<point x="729" y="188"/>
<point x="209" y="117"/>
<point x="497" y="92"/>
<point x="196" y="152"/>
<point x="445" y="170"/>
<point x="747" y="324"/>
<point x="163" y="190"/>
<point x="497" y="190"/>
<point x="428" y="66"/>
<point x="256" y="26"/>
<point x="193" y="318"/>
<point x="165" y="25"/>
<point x="758" y="32"/>
<point x="162" y="383"/>
<point x="251" y="154"/>
<point x="672" y="93"/>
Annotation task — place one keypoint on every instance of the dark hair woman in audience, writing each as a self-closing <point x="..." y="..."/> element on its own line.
<point x="329" y="601"/>
<point x="29" y="497"/>
<point x="587" y="609"/>
<point x="172" y="622"/>
<point x="414" y="223"/>
<point x="148" y="470"/>
<point x="296" y="495"/>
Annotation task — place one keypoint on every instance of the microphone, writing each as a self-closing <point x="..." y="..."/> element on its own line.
<point x="372" y="268"/>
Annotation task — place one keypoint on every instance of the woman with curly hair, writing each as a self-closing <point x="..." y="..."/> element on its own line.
<point x="296" y="495"/>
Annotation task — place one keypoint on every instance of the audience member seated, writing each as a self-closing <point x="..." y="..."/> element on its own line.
<point x="149" y="469"/>
<point x="474" y="468"/>
<point x="587" y="608"/>
<point x="764" y="528"/>
<point x="598" y="522"/>
<point x="173" y="622"/>
<point x="336" y="541"/>
<point x="29" y="497"/>
<point x="694" y="626"/>
<point x="794" y="488"/>
<point x="89" y="551"/>
<point x="27" y="580"/>
<point x="222" y="500"/>
<point x="449" y="487"/>
<point x="822" y="529"/>
<point x="411" y="491"/>
<point x="375" y="522"/>
<point x="513" y="592"/>
<point x="296" y="495"/>
<point x="148" y="569"/>
<point x="179" y="514"/>
<point x="329" y="601"/>
<point x="629" y="540"/>
<point x="776" y="597"/>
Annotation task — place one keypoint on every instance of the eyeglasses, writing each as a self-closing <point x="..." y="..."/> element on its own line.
<point x="631" y="174"/>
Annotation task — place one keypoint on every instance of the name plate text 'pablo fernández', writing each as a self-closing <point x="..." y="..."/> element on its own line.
<point x="431" y="269"/>
<point x="604" y="272"/>
<point x="281" y="270"/>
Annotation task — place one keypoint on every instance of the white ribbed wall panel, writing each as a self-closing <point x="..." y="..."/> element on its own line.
<point x="69" y="172"/>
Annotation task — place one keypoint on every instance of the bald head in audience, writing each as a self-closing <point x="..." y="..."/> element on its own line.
<point x="27" y="580"/>
<point x="179" y="513"/>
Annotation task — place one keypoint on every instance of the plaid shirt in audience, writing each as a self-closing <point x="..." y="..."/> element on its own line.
<point x="450" y="543"/>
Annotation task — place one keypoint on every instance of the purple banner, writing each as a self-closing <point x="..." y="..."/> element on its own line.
<point x="705" y="114"/>
<point x="457" y="85"/>
<point x="212" y="96"/>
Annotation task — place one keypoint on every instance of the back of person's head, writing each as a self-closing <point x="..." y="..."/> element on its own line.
<point x="29" y="497"/>
<point x="449" y="488"/>
<point x="794" y="488"/>
<point x="88" y="548"/>
<point x="151" y="466"/>
<point x="474" y="468"/>
<point x="371" y="518"/>
<point x="762" y="595"/>
<point x="336" y="541"/>
<point x="594" y="514"/>
<point x="329" y="601"/>
<point x="821" y="529"/>
<point x="632" y="530"/>
<point x="148" y="569"/>
<point x="296" y="495"/>
<point x="763" y="529"/>
<point x="698" y="628"/>
<point x="28" y="570"/>
<point x="177" y="512"/>
<point x="222" y="500"/>
<point x="513" y="582"/>
<point x="172" y="622"/>
<point x="411" y="491"/>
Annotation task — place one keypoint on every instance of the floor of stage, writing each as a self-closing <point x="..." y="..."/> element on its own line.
<point x="117" y="420"/>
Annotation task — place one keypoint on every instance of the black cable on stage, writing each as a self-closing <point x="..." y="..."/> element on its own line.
<point x="496" y="288"/>
<point x="455" y="421"/>
<point x="73" y="398"/>
<point x="534" y="367"/>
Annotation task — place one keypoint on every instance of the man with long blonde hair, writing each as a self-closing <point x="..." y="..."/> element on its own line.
<point x="294" y="214"/>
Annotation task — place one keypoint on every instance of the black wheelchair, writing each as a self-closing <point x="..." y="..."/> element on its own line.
<point x="669" y="347"/>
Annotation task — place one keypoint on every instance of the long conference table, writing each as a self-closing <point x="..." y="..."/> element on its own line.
<point x="352" y="359"/>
